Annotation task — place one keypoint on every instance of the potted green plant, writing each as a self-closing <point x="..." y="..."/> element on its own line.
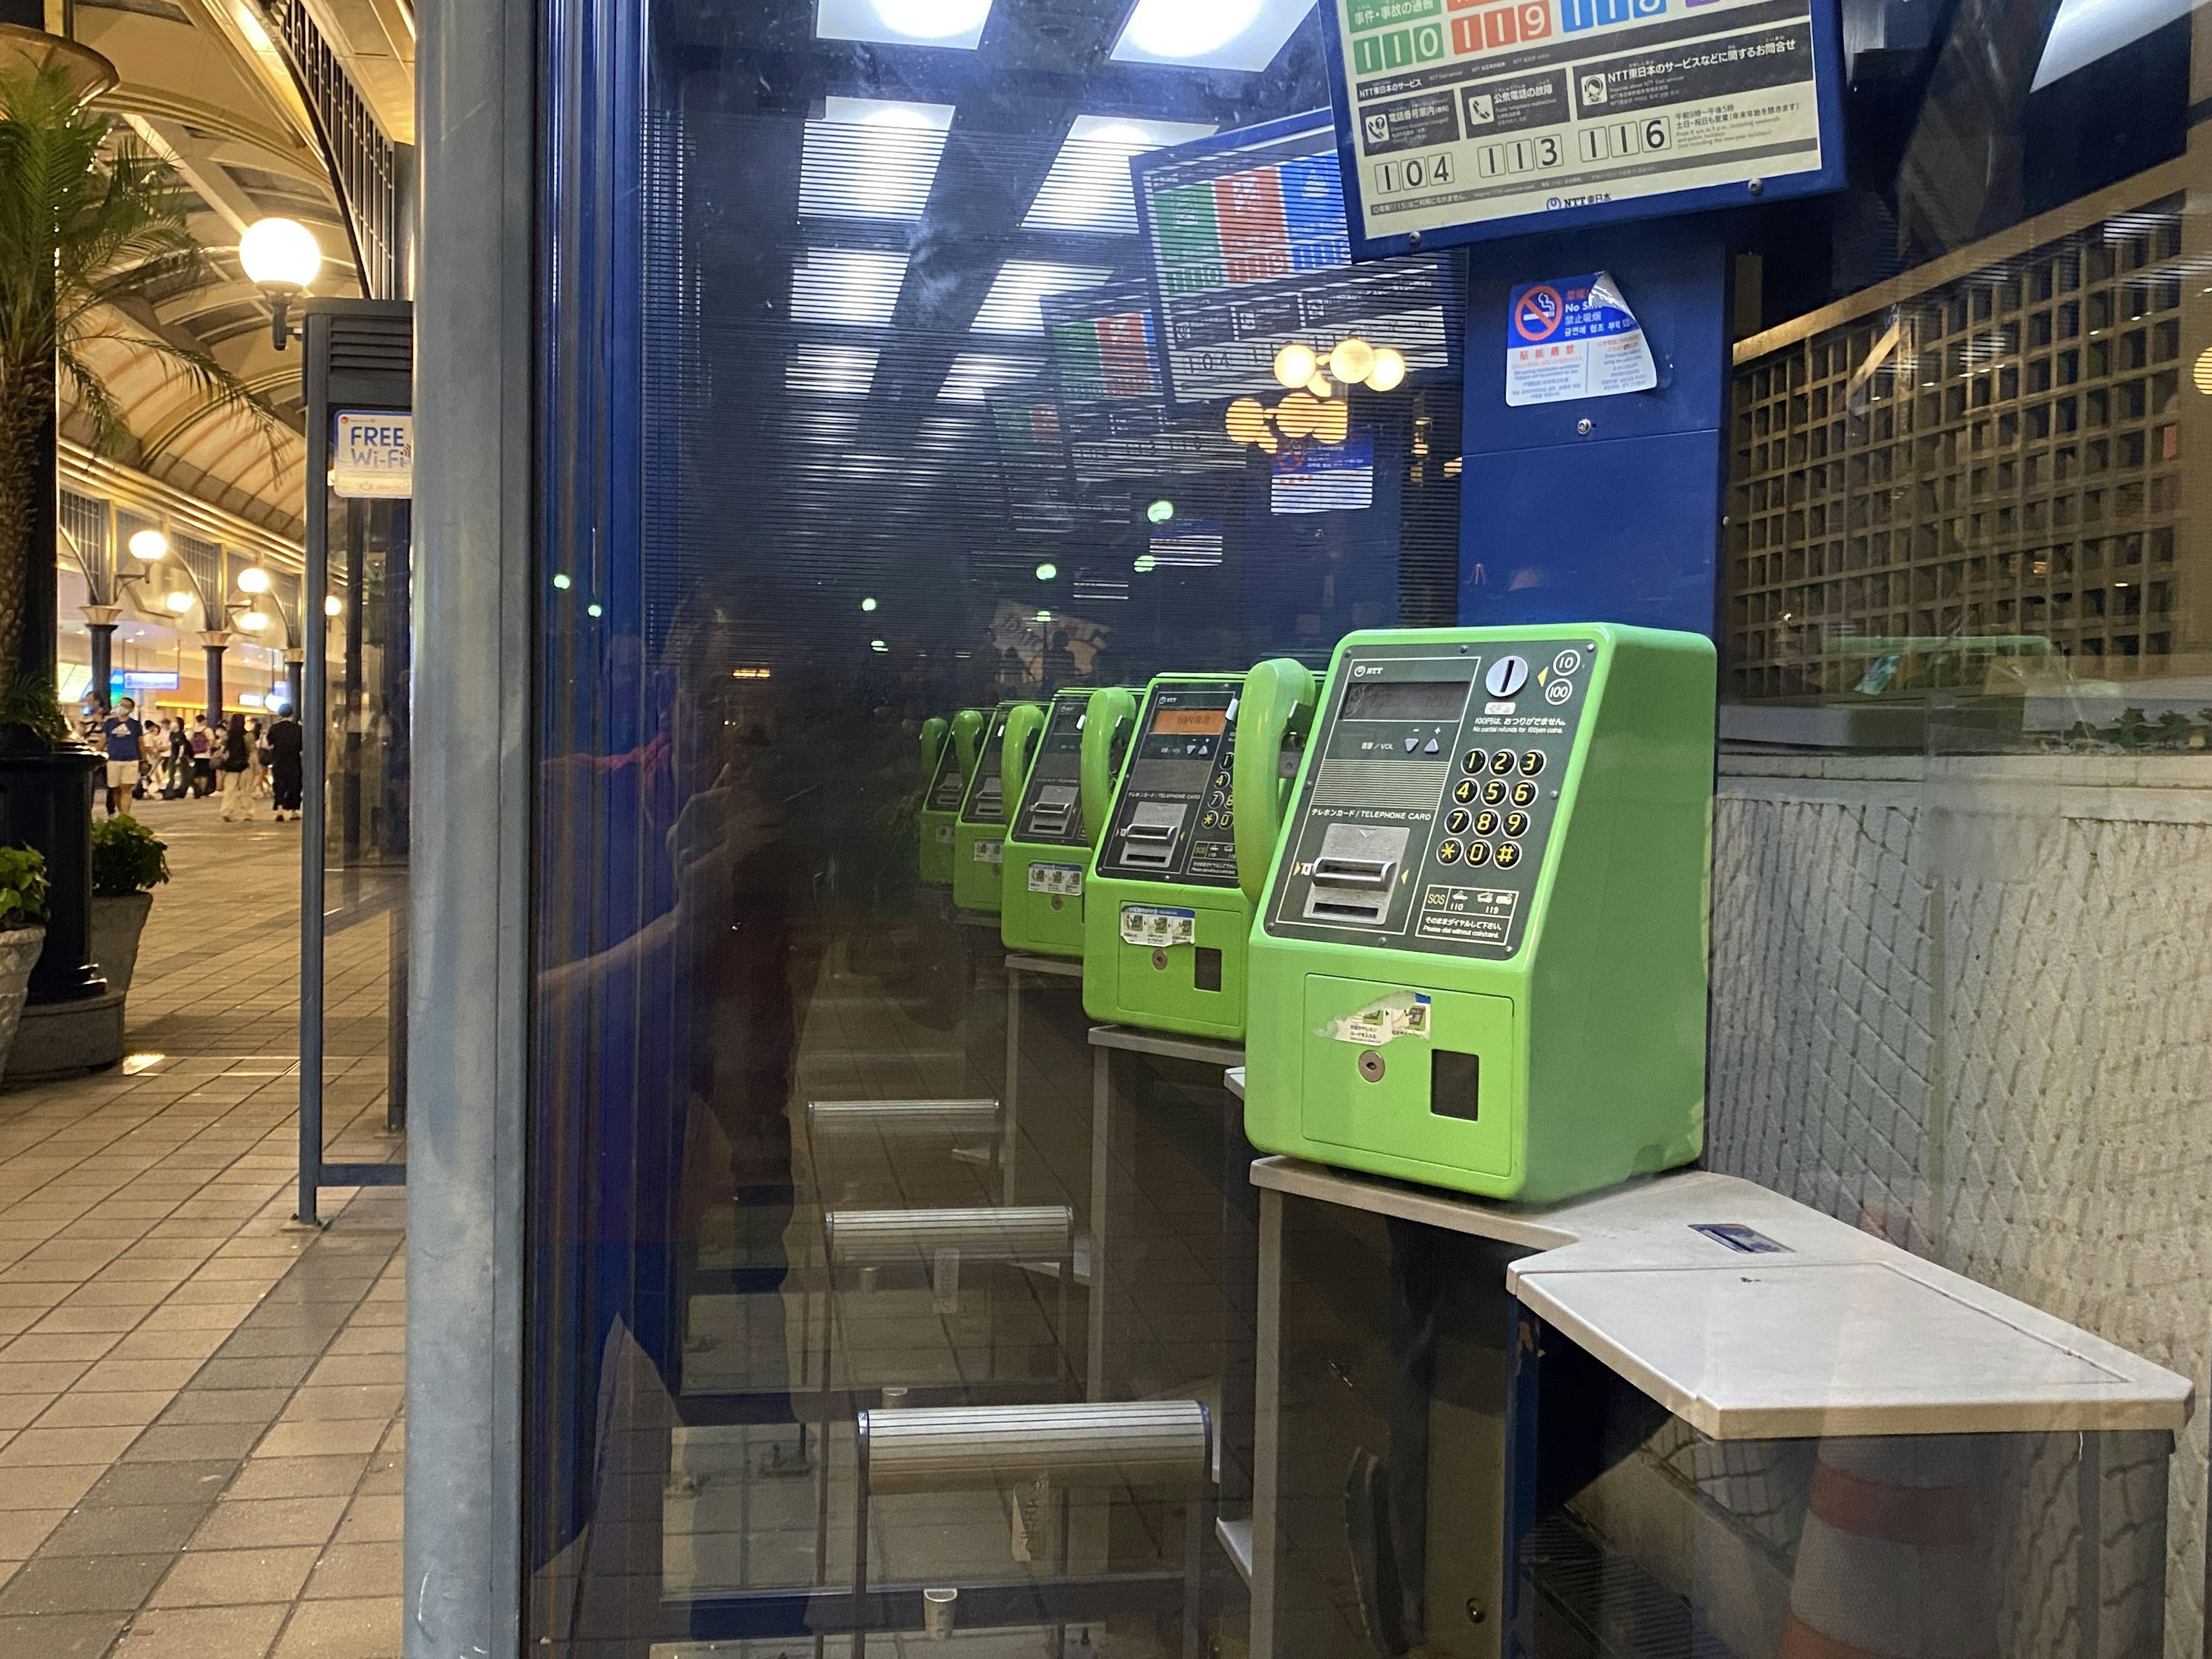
<point x="94" y="246"/>
<point x="129" y="861"/>
<point x="22" y="933"/>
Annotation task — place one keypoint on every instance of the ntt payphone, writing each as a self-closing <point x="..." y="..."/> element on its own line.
<point x="979" y="833"/>
<point x="1055" y="823"/>
<point x="1480" y="960"/>
<point x="1168" y="904"/>
<point x="948" y="757"/>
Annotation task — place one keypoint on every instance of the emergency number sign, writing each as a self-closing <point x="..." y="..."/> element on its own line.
<point x="1462" y="119"/>
<point x="373" y="454"/>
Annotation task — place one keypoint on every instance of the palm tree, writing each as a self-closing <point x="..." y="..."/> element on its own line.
<point x="92" y="235"/>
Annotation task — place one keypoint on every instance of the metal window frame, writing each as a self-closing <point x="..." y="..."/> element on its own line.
<point x="469" y="992"/>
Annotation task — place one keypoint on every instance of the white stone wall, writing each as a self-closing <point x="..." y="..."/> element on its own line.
<point x="1967" y="1004"/>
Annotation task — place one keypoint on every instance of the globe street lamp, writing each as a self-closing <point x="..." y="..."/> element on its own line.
<point x="281" y="258"/>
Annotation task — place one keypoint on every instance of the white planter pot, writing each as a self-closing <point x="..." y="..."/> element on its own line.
<point x="19" y="952"/>
<point x="117" y="924"/>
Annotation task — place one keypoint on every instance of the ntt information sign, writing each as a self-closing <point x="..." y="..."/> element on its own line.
<point x="1460" y="121"/>
<point x="373" y="454"/>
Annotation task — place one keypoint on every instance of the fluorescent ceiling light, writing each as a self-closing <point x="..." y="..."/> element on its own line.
<point x="858" y="286"/>
<point x="869" y="159"/>
<point x="1011" y="306"/>
<point x="814" y="424"/>
<point x="1088" y="187"/>
<point x="1231" y="35"/>
<point x="831" y="371"/>
<point x="903" y="22"/>
<point x="976" y="374"/>
<point x="2086" y="30"/>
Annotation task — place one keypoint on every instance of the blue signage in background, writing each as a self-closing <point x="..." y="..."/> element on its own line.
<point x="1316" y="477"/>
<point x="1113" y="405"/>
<point x="1503" y="117"/>
<point x="1244" y="233"/>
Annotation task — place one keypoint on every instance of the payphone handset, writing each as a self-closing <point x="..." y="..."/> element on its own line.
<point x="1108" y="723"/>
<point x="1480" y="960"/>
<point x="1165" y="915"/>
<point x="1049" y="838"/>
<point x="1278" y="697"/>
<point x="948" y="765"/>
<point x="979" y="836"/>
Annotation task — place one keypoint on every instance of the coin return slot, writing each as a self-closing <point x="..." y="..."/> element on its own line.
<point x="1205" y="969"/>
<point x="1353" y="876"/>
<point x="1149" y="843"/>
<point x="1054" y="815"/>
<point x="1456" y="1085"/>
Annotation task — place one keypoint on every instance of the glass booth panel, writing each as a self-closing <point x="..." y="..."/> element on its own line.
<point x="866" y="417"/>
<point x="904" y="367"/>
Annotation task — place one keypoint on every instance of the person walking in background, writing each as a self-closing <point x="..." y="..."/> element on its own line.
<point x="234" y="761"/>
<point x="119" y="734"/>
<point x="203" y="742"/>
<point x="256" y="740"/>
<point x="177" y="776"/>
<point x="286" y="743"/>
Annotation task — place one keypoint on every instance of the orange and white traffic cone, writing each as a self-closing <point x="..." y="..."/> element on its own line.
<point x="1894" y="1560"/>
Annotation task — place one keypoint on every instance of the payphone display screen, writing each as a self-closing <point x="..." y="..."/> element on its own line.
<point x="1175" y="819"/>
<point x="1051" y="809"/>
<point x="986" y="791"/>
<point x="1427" y="806"/>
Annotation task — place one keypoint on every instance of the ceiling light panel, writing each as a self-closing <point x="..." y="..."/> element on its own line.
<point x="855" y="286"/>
<point x="831" y="371"/>
<point x="1011" y="306"/>
<point x="976" y="374"/>
<point x="869" y="159"/>
<point x="1088" y="187"/>
<point x="956" y="23"/>
<point x="1228" y="34"/>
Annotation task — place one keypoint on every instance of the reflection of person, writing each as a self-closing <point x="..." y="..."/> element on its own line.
<point x="664" y="1023"/>
<point x="1059" y="662"/>
<point x="120" y="733"/>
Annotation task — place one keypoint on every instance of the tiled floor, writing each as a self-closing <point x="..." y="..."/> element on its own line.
<point x="200" y="1427"/>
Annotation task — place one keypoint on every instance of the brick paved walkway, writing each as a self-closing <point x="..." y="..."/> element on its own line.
<point x="200" y="1426"/>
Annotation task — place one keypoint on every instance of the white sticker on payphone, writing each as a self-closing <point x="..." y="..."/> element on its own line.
<point x="1066" y="879"/>
<point x="991" y="852"/>
<point x="1157" y="925"/>
<point x="1402" y="1014"/>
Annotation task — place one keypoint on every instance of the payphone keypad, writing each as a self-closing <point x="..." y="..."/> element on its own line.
<point x="1426" y="809"/>
<point x="1175" y="818"/>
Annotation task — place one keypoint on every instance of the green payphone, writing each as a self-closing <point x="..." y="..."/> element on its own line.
<point x="1166" y="909"/>
<point x="1056" y="824"/>
<point x="948" y="763"/>
<point x="1480" y="960"/>
<point x="978" y="833"/>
